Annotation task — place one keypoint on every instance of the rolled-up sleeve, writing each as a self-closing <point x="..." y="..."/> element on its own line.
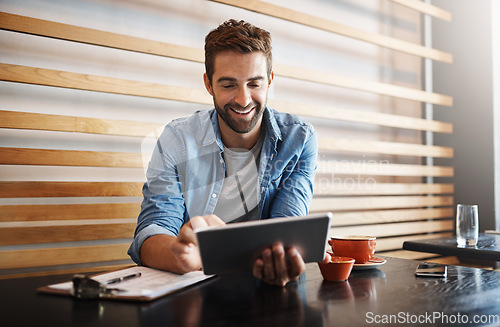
<point x="163" y="206"/>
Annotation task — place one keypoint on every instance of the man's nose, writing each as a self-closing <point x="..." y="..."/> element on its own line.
<point x="243" y="97"/>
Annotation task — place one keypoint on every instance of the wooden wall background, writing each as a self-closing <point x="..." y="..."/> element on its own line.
<point x="86" y="86"/>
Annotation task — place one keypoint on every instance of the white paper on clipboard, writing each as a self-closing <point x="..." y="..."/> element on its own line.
<point x="150" y="285"/>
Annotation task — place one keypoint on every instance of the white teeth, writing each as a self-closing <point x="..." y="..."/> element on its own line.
<point x="242" y="112"/>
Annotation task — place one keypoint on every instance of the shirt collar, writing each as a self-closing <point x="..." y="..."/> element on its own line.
<point x="270" y="124"/>
<point x="215" y="136"/>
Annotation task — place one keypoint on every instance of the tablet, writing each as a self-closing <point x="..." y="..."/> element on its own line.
<point x="235" y="247"/>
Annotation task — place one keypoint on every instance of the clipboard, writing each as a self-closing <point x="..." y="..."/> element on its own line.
<point x="151" y="284"/>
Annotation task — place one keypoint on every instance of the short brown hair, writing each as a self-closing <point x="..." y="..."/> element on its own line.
<point x="236" y="36"/>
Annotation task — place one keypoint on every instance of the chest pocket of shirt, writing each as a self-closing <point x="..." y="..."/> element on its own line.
<point x="278" y="182"/>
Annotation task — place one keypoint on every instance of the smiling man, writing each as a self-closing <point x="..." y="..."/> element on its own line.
<point x="238" y="162"/>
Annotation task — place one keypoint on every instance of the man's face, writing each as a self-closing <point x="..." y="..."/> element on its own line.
<point x="239" y="88"/>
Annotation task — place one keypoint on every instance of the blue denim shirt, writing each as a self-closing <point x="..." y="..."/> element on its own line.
<point x="186" y="172"/>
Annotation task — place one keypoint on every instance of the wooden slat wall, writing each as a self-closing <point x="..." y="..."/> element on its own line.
<point x="385" y="196"/>
<point x="330" y="26"/>
<point x="425" y="8"/>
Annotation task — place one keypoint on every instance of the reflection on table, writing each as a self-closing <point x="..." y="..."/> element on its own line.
<point x="391" y="291"/>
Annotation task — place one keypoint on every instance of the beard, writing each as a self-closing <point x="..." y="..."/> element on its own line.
<point x="240" y="125"/>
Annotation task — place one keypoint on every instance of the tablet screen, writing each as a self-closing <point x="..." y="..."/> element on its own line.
<point x="236" y="246"/>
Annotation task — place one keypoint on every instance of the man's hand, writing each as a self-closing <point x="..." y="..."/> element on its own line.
<point x="185" y="249"/>
<point x="177" y="254"/>
<point x="273" y="268"/>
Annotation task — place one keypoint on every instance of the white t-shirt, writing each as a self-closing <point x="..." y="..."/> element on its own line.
<point x="239" y="198"/>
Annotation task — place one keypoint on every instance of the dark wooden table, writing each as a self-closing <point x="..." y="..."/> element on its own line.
<point x="486" y="252"/>
<point x="369" y="297"/>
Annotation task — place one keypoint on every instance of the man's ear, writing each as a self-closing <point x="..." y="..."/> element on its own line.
<point x="208" y="86"/>
<point x="271" y="78"/>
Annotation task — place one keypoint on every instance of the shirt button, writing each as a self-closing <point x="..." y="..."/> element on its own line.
<point x="221" y="161"/>
<point x="214" y="195"/>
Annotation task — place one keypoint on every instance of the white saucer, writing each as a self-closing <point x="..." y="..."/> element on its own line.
<point x="372" y="264"/>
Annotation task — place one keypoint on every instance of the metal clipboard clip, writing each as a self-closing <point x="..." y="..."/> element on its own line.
<point x="85" y="287"/>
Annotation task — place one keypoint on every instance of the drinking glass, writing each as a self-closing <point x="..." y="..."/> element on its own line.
<point x="467" y="225"/>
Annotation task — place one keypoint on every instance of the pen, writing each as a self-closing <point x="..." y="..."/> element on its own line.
<point x="121" y="279"/>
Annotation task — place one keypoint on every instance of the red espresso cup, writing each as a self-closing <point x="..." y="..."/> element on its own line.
<point x="361" y="248"/>
<point x="338" y="269"/>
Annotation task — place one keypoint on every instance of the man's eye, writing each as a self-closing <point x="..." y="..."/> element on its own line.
<point x="228" y="86"/>
<point x="254" y="85"/>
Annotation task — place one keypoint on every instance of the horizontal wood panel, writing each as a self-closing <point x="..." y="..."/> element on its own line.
<point x="62" y="256"/>
<point x="25" y="120"/>
<point x="353" y="187"/>
<point x="21" y="156"/>
<point x="379" y="202"/>
<point x="383" y="168"/>
<point x="49" y="157"/>
<point x="57" y="78"/>
<point x="330" y="26"/>
<point x="425" y="8"/>
<point x="358" y="116"/>
<point x="362" y="85"/>
<point x="396" y="148"/>
<point x="388" y="216"/>
<point x="68" y="32"/>
<point x="21" y="120"/>
<point x="16" y="189"/>
<point x="71" y="233"/>
<point x="42" y="212"/>
<point x="10" y="213"/>
<point x="396" y="229"/>
<point x="36" y="121"/>
<point x="90" y="36"/>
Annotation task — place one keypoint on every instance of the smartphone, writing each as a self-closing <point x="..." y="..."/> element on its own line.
<point x="431" y="270"/>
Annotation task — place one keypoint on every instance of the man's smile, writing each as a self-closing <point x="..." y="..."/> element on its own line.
<point x="244" y="111"/>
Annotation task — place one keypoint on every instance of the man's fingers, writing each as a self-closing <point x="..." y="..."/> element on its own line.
<point x="268" y="269"/>
<point x="187" y="255"/>
<point x="297" y="265"/>
<point x="197" y="222"/>
<point x="179" y="248"/>
<point x="281" y="271"/>
<point x="273" y="267"/>
<point x="213" y="220"/>
<point x="205" y="221"/>
<point x="257" y="268"/>
<point x="327" y="258"/>
<point x="187" y="235"/>
<point x="187" y="232"/>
